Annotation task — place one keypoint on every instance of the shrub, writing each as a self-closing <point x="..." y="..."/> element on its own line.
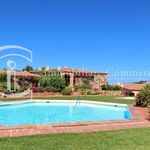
<point x="3" y="85"/>
<point x="55" y="83"/>
<point x="143" y="98"/>
<point x="35" y="80"/>
<point x="89" y="93"/>
<point x="83" y="92"/>
<point x="40" y="89"/>
<point x="44" y="82"/>
<point x="96" y="92"/>
<point x="117" y="88"/>
<point x="67" y="91"/>
<point x="85" y="86"/>
<point x="48" y="89"/>
<point x="20" y="90"/>
<point x="108" y="87"/>
<point x="77" y="86"/>
<point x="3" y="77"/>
<point x="37" y="89"/>
<point x="82" y="86"/>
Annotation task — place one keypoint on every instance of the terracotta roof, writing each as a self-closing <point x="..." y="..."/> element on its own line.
<point x="78" y="70"/>
<point x="71" y="70"/>
<point x="22" y="74"/>
<point x="133" y="87"/>
<point x="26" y="74"/>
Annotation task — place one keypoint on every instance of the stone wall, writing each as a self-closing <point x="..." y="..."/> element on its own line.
<point x="55" y="94"/>
<point x="51" y="94"/>
<point x="111" y="93"/>
<point x="98" y="81"/>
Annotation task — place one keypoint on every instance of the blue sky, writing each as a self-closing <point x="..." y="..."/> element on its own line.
<point x="88" y="34"/>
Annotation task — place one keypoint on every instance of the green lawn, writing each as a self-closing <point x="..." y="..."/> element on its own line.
<point x="132" y="139"/>
<point x="112" y="99"/>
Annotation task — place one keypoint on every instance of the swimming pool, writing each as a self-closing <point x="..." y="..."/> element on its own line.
<point x="45" y="112"/>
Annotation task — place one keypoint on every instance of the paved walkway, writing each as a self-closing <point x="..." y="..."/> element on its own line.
<point x="140" y="118"/>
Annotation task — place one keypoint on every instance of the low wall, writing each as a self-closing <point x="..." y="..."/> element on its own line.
<point x="111" y="93"/>
<point x="45" y="94"/>
<point x="55" y="94"/>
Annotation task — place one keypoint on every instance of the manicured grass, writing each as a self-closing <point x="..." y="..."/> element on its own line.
<point x="112" y="99"/>
<point x="131" y="139"/>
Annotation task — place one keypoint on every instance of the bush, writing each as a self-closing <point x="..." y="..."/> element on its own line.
<point x="36" y="80"/>
<point x="108" y="87"/>
<point x="20" y="90"/>
<point x="3" y="77"/>
<point x="89" y="93"/>
<point x="77" y="86"/>
<point x="48" y="89"/>
<point x="37" y="89"/>
<point x="55" y="83"/>
<point x="85" y="86"/>
<point x="3" y="85"/>
<point x="143" y="98"/>
<point x="82" y="86"/>
<point x="117" y="88"/>
<point x="67" y="91"/>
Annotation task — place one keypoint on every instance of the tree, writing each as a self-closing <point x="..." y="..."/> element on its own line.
<point x="43" y="68"/>
<point x="55" y="83"/>
<point x="27" y="68"/>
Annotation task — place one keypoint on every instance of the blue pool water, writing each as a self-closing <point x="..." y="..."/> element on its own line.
<point x="44" y="113"/>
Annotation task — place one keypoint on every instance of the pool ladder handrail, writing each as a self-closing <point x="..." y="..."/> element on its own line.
<point x="78" y="99"/>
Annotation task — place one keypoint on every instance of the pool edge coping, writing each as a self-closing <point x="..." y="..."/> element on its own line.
<point x="65" y="101"/>
<point x="9" y="131"/>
